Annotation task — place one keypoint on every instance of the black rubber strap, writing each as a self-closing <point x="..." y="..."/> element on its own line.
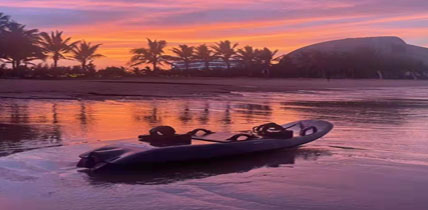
<point x="304" y="130"/>
<point x="195" y="131"/>
<point x="162" y="131"/>
<point x="266" y="128"/>
<point x="236" y="136"/>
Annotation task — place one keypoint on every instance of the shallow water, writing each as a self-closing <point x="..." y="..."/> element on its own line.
<point x="375" y="158"/>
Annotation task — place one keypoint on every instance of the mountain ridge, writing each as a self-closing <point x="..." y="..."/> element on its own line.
<point x="381" y="44"/>
<point x="364" y="57"/>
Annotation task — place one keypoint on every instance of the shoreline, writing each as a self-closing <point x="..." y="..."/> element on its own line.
<point x="178" y="87"/>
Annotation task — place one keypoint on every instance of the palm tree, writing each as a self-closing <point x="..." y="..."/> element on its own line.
<point x="265" y="57"/>
<point x="20" y="46"/>
<point x="225" y="50"/>
<point x="85" y="53"/>
<point x="247" y="55"/>
<point x="184" y="53"/>
<point x="203" y="53"/>
<point x="152" y="55"/>
<point x="4" y="20"/>
<point x="55" y="45"/>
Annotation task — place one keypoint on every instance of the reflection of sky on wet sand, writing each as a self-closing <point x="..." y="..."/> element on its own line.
<point x="74" y="122"/>
<point x="383" y="120"/>
<point x="377" y="152"/>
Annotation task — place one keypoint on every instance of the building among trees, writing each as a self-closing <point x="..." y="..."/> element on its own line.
<point x="216" y="64"/>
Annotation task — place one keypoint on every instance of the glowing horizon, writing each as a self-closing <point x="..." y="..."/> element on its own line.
<point x="121" y="25"/>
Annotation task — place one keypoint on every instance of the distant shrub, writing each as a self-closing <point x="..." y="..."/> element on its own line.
<point x="112" y="72"/>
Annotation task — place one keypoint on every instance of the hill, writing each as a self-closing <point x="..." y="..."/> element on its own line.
<point x="367" y="57"/>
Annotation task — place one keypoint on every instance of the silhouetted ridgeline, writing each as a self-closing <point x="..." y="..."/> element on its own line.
<point x="24" y="54"/>
<point x="371" y="57"/>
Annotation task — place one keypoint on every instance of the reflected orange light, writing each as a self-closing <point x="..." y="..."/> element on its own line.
<point x="80" y="121"/>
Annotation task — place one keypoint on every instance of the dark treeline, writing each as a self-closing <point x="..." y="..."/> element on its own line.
<point x="237" y="62"/>
<point x="22" y="48"/>
<point x="24" y="52"/>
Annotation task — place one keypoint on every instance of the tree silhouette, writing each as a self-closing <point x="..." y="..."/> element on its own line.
<point x="151" y="55"/>
<point x="247" y="55"/>
<point x="184" y="53"/>
<point x="203" y="53"/>
<point x="225" y="50"/>
<point x="19" y="46"/>
<point x="4" y="20"/>
<point x="265" y="57"/>
<point x="85" y="53"/>
<point x="55" y="45"/>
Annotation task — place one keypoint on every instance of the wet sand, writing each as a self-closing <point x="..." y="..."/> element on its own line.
<point x="178" y="87"/>
<point x="375" y="157"/>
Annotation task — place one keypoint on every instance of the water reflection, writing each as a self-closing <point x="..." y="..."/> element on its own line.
<point x="379" y="145"/>
<point x="185" y="115"/>
<point x="52" y="122"/>
<point x="22" y="130"/>
<point x="18" y="113"/>
<point x="197" y="170"/>
<point x="151" y="118"/>
<point x="56" y="128"/>
<point x="357" y="111"/>
<point x="227" y="119"/>
<point x="254" y="109"/>
<point x="204" y="116"/>
<point x="18" y="138"/>
<point x="28" y="124"/>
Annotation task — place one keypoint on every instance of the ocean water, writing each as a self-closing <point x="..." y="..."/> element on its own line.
<point x="376" y="157"/>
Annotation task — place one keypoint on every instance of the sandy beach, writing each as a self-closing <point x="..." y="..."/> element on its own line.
<point x="374" y="158"/>
<point x="178" y="87"/>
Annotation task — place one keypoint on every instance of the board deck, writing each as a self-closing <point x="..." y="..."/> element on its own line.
<point x="137" y="154"/>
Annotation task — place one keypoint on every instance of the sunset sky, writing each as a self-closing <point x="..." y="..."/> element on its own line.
<point x="278" y="24"/>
